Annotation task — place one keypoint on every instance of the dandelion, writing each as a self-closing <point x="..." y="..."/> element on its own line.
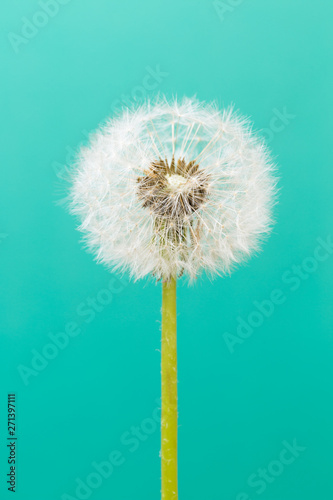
<point x="170" y="189"/>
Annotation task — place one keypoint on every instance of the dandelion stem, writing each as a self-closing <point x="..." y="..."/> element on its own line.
<point x="169" y="392"/>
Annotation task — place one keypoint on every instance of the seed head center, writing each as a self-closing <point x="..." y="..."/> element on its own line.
<point x="173" y="190"/>
<point x="176" y="182"/>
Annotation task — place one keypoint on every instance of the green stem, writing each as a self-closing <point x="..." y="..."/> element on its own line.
<point x="169" y="392"/>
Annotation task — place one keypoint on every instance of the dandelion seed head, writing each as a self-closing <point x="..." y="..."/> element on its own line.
<point x="174" y="187"/>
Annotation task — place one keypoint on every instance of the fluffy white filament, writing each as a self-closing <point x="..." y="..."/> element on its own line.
<point x="234" y="214"/>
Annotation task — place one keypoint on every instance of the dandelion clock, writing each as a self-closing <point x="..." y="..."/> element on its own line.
<point x="173" y="189"/>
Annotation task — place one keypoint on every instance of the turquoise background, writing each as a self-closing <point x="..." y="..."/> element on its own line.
<point x="237" y="406"/>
